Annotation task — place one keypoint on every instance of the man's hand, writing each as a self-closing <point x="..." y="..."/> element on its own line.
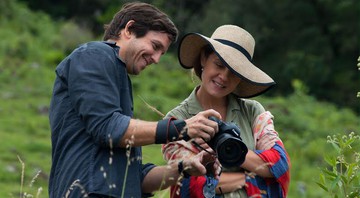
<point x="200" y="126"/>
<point x="198" y="165"/>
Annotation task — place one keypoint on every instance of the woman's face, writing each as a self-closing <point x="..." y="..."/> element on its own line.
<point x="217" y="79"/>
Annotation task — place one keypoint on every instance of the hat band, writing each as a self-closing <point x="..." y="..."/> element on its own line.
<point x="236" y="46"/>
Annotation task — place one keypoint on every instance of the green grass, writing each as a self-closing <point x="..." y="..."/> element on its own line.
<point x="303" y="124"/>
<point x="34" y="45"/>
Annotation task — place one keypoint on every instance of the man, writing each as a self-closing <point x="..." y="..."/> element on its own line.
<point x="96" y="144"/>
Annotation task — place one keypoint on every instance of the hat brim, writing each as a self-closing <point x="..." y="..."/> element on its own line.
<point x="254" y="81"/>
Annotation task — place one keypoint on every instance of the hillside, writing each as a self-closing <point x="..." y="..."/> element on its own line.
<point x="29" y="55"/>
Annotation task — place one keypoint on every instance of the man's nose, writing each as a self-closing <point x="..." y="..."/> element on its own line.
<point x="156" y="57"/>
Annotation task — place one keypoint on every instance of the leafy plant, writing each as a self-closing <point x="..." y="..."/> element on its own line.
<point x="342" y="177"/>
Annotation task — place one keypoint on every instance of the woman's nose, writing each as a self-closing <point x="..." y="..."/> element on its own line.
<point x="225" y="74"/>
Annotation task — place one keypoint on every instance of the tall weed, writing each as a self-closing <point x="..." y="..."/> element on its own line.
<point x="342" y="176"/>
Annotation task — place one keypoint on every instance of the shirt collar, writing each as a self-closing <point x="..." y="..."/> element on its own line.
<point x="195" y="107"/>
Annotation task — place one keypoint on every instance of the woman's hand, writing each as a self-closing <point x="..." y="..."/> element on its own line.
<point x="266" y="141"/>
<point x="230" y="182"/>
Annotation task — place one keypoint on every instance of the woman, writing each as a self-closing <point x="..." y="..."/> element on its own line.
<point x="223" y="64"/>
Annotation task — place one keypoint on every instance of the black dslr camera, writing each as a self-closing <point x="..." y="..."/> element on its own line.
<point x="228" y="145"/>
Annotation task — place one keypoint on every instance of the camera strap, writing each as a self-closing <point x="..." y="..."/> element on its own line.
<point x="201" y="148"/>
<point x="169" y="130"/>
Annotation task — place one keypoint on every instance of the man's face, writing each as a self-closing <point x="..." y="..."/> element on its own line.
<point x="145" y="51"/>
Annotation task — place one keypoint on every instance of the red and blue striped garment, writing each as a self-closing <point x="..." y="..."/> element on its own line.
<point x="275" y="157"/>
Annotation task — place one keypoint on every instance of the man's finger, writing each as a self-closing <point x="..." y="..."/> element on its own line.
<point x="211" y="112"/>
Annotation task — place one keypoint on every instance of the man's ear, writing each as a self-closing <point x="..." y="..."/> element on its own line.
<point x="127" y="32"/>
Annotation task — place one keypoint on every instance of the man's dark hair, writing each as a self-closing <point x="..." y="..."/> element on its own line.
<point x="147" y="17"/>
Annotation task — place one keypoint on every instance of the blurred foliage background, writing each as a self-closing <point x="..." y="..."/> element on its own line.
<point x="310" y="48"/>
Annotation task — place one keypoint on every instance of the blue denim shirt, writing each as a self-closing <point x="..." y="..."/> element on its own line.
<point x="90" y="110"/>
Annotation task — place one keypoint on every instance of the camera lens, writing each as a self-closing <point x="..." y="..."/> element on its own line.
<point x="231" y="151"/>
<point x="229" y="148"/>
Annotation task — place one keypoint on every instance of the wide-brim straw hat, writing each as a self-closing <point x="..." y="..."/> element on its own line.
<point x="235" y="48"/>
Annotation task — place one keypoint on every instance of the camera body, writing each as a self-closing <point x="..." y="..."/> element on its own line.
<point x="228" y="145"/>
